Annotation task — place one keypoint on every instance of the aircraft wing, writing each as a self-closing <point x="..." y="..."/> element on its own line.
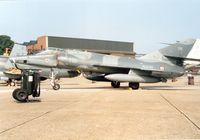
<point x="136" y="64"/>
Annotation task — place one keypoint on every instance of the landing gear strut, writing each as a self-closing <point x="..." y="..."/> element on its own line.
<point x="134" y="85"/>
<point x="54" y="85"/>
<point x="115" y="84"/>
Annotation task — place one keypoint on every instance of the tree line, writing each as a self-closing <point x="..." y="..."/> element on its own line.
<point x="5" y="42"/>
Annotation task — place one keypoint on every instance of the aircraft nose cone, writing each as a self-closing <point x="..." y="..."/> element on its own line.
<point x="12" y="60"/>
<point x="17" y="60"/>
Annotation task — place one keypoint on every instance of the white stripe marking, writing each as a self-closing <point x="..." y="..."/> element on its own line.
<point x="195" y="51"/>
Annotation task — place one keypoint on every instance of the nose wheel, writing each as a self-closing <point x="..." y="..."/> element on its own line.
<point x="54" y="85"/>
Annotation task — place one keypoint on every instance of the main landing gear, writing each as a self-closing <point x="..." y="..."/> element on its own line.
<point x="30" y="86"/>
<point x="115" y="84"/>
<point x="54" y="85"/>
<point x="133" y="85"/>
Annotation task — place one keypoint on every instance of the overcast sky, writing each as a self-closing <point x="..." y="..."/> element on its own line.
<point x="144" y="22"/>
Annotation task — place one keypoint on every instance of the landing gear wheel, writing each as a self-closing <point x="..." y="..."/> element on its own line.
<point x="12" y="84"/>
<point x="115" y="84"/>
<point x="14" y="93"/>
<point x="134" y="85"/>
<point x="56" y="87"/>
<point x="7" y="83"/>
<point x="20" y="95"/>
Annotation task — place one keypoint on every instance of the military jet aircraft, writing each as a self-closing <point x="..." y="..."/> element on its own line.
<point x="3" y="61"/>
<point x="4" y="71"/>
<point x="158" y="66"/>
<point x="45" y="72"/>
<point x="3" y="77"/>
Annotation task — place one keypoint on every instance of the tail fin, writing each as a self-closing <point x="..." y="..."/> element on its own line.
<point x="17" y="50"/>
<point x="179" y="52"/>
<point x="188" y="49"/>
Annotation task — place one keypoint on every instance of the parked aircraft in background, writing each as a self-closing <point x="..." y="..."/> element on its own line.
<point x="158" y="66"/>
<point x="3" y="61"/>
<point x="6" y="67"/>
<point x="192" y="65"/>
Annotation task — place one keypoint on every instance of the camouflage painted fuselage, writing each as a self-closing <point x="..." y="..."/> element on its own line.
<point x="154" y="70"/>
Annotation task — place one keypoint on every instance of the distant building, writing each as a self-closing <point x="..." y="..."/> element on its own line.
<point x="36" y="46"/>
<point x="92" y="45"/>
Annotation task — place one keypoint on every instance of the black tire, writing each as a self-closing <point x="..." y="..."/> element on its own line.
<point x="134" y="85"/>
<point x="115" y="84"/>
<point x="20" y="95"/>
<point x="56" y="87"/>
<point x="7" y="83"/>
<point x="14" y="93"/>
<point x="12" y="84"/>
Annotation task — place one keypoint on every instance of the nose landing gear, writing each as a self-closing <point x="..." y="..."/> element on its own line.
<point x="54" y="85"/>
